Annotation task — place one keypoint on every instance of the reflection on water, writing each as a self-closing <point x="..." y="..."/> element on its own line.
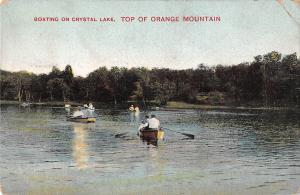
<point x="157" y="164"/>
<point x="234" y="152"/>
<point x="135" y="117"/>
<point x="137" y="113"/>
<point x="80" y="147"/>
<point x="150" y="141"/>
<point x="1" y="193"/>
<point x="68" y="110"/>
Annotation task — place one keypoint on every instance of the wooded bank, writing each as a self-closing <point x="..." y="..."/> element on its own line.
<point x="269" y="80"/>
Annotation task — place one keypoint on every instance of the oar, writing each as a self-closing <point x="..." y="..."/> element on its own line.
<point x="186" y="134"/>
<point x="120" y="134"/>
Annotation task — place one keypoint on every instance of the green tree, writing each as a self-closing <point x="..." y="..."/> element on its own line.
<point x="68" y="75"/>
<point x="57" y="89"/>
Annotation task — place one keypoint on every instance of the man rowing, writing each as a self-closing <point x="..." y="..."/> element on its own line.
<point x="150" y="130"/>
<point x="154" y="123"/>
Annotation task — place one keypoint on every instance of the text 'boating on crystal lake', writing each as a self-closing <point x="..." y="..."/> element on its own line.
<point x="130" y="19"/>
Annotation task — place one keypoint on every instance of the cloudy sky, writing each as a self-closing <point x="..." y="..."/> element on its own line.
<point x="247" y="28"/>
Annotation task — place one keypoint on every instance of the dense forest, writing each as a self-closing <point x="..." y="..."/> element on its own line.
<point x="269" y="80"/>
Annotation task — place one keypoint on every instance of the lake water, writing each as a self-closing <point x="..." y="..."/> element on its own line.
<point x="234" y="152"/>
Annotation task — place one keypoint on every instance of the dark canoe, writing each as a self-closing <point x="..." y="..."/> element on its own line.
<point x="152" y="135"/>
<point x="82" y="119"/>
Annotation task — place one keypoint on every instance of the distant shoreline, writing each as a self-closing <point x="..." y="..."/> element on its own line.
<point x="53" y="103"/>
<point x="170" y="105"/>
<point x="183" y="105"/>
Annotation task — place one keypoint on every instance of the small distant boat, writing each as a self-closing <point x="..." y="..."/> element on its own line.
<point x="85" y="106"/>
<point x="25" y="104"/>
<point x="152" y="135"/>
<point x="67" y="106"/>
<point x="82" y="119"/>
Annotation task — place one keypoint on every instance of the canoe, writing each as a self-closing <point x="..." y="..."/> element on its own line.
<point x="152" y="135"/>
<point x="82" y="119"/>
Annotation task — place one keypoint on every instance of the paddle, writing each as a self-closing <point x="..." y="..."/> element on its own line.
<point x="120" y="134"/>
<point x="186" y="134"/>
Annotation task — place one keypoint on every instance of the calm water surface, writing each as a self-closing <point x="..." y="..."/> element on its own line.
<point x="234" y="152"/>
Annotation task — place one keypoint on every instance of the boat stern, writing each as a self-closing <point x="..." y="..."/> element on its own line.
<point x="160" y="134"/>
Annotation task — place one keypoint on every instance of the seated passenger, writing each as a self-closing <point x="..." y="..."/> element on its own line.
<point x="131" y="108"/>
<point x="144" y="124"/>
<point x="78" y="113"/>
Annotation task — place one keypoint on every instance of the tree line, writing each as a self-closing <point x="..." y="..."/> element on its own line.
<point x="269" y="80"/>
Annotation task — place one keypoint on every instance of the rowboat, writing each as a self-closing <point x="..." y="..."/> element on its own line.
<point x="67" y="106"/>
<point x="24" y="104"/>
<point x="82" y="119"/>
<point x="152" y="135"/>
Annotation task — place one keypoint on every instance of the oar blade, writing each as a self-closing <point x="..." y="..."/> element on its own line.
<point x="189" y="135"/>
<point x="120" y="135"/>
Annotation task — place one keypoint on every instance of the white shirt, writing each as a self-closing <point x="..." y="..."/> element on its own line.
<point x="153" y="123"/>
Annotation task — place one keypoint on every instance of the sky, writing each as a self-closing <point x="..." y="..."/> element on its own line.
<point x="247" y="28"/>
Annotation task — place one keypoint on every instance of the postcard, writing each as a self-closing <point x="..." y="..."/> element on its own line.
<point x="150" y="97"/>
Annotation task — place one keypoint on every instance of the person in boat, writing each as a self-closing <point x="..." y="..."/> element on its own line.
<point x="131" y="108"/>
<point x="145" y="123"/>
<point x="137" y="109"/>
<point x="91" y="106"/>
<point x="154" y="123"/>
<point x="145" y="119"/>
<point x="150" y="124"/>
<point x="78" y="113"/>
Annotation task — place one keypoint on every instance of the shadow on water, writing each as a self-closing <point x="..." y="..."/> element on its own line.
<point x="153" y="142"/>
<point x="127" y="137"/>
